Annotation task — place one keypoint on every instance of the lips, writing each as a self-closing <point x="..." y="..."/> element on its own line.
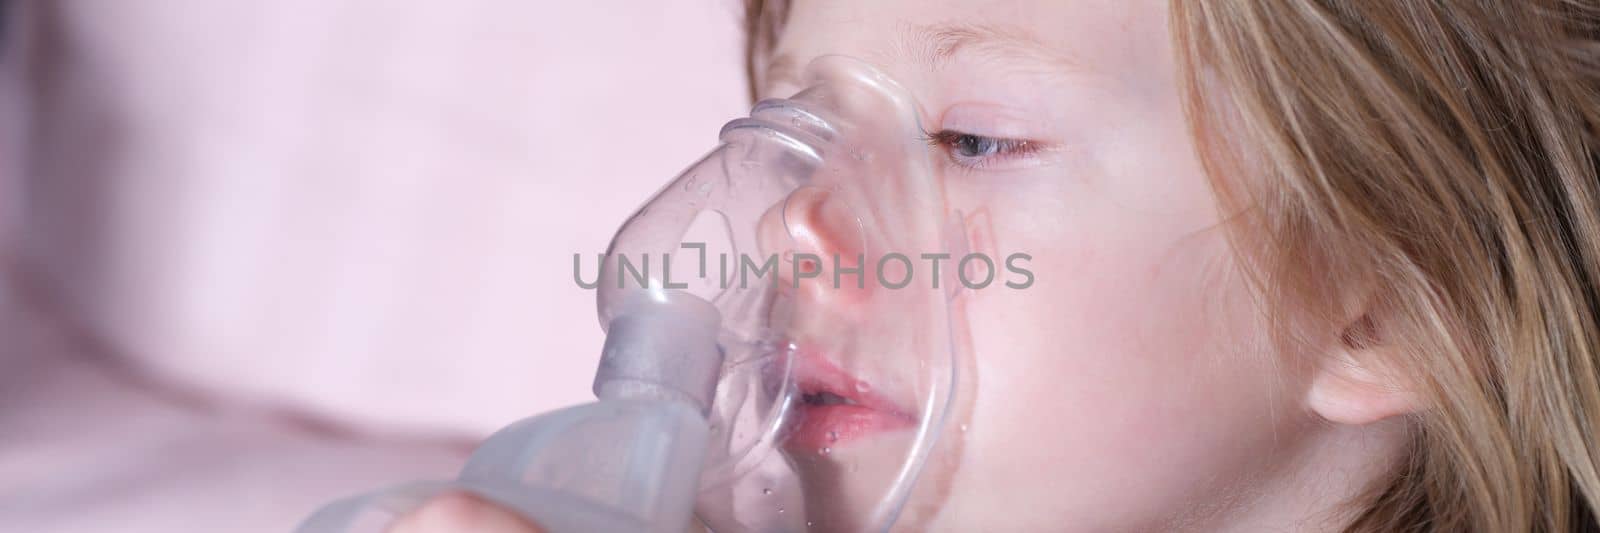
<point x="836" y="408"/>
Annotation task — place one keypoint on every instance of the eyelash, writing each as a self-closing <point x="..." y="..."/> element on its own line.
<point x="993" y="148"/>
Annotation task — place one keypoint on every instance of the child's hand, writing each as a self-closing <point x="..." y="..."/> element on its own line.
<point x="459" y="512"/>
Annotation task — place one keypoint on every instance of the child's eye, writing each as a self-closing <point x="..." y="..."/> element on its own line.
<point x="977" y="151"/>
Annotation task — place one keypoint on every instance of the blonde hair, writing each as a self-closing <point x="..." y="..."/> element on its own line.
<point x="1429" y="165"/>
<point x="1419" y="175"/>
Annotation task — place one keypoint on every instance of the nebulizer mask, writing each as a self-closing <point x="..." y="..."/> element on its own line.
<point x="781" y="349"/>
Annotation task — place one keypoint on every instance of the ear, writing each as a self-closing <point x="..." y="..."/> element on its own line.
<point x="1356" y="383"/>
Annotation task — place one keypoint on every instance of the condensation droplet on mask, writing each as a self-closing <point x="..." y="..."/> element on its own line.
<point x="963" y="428"/>
<point x="862" y="386"/>
<point x="826" y="450"/>
<point x="766" y="492"/>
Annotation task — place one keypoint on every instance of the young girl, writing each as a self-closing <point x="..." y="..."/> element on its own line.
<point x="1302" y="265"/>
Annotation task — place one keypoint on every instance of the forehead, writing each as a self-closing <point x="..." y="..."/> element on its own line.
<point x="1110" y="36"/>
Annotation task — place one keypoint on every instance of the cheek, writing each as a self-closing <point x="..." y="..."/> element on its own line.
<point x="1133" y="366"/>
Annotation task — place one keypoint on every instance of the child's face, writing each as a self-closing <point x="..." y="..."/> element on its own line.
<point x="1127" y="388"/>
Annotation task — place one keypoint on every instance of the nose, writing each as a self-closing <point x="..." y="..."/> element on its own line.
<point x="818" y="240"/>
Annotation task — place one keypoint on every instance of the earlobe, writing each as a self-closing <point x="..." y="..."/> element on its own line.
<point x="1354" y="385"/>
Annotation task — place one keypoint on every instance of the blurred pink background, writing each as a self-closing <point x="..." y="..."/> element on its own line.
<point x="261" y="254"/>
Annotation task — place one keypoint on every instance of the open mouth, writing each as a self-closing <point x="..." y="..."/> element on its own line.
<point x="836" y="408"/>
<point x="825" y="398"/>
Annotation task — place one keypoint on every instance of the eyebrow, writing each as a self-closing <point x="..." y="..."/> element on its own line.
<point x="936" y="45"/>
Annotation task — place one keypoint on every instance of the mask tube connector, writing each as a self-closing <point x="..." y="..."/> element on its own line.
<point x="663" y="346"/>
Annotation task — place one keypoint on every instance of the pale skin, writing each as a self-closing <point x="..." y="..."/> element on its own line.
<point x="1133" y="387"/>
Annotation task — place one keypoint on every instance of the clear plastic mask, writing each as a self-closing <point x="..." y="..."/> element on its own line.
<point x="820" y="231"/>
